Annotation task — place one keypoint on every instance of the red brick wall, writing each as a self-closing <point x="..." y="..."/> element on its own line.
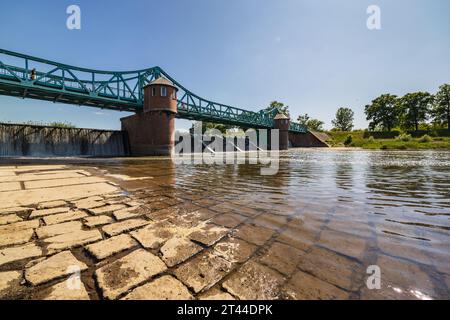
<point x="305" y="140"/>
<point x="158" y="102"/>
<point x="150" y="133"/>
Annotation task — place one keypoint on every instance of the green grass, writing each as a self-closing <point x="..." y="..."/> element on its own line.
<point x="338" y="139"/>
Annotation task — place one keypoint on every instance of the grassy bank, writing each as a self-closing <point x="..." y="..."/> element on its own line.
<point x="403" y="142"/>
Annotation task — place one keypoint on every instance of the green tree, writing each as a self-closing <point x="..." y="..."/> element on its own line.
<point x="415" y="108"/>
<point x="276" y="107"/>
<point x="383" y="112"/>
<point x="441" y="106"/>
<point x="303" y="119"/>
<point x="313" y="124"/>
<point x="209" y="125"/>
<point x="343" y="120"/>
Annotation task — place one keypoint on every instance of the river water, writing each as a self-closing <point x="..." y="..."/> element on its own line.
<point x="346" y="214"/>
<point x="331" y="222"/>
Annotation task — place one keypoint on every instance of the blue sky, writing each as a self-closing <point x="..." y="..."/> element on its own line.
<point x="313" y="55"/>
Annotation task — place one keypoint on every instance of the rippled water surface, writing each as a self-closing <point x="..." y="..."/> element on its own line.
<point x="345" y="211"/>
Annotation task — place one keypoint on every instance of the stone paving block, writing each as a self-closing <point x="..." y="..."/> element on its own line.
<point x="61" y="182"/>
<point x="107" y="209"/>
<point x="46" y="212"/>
<point x="209" y="235"/>
<point x="270" y="221"/>
<point x="57" y="266"/>
<point x="163" y="288"/>
<point x="215" y="294"/>
<point x="205" y="214"/>
<point x="247" y="211"/>
<point x="25" y="168"/>
<point x="282" y="258"/>
<point x="23" y="225"/>
<point x="44" y="175"/>
<point x="13" y="254"/>
<point x="153" y="235"/>
<point x="121" y="275"/>
<point x="126" y="225"/>
<point x="67" y="291"/>
<point x="8" y="281"/>
<point x="224" y="207"/>
<point x="29" y="197"/>
<point x="401" y="247"/>
<point x="235" y="250"/>
<point x="64" y="217"/>
<point x="126" y="213"/>
<point x="72" y="239"/>
<point x="331" y="267"/>
<point x="9" y="218"/>
<point x="303" y="286"/>
<point x="253" y="234"/>
<point x="16" y="210"/>
<point x="401" y="280"/>
<point x="178" y="249"/>
<point x="105" y="248"/>
<point x="204" y="271"/>
<point x="16" y="237"/>
<point x="9" y="186"/>
<point x="90" y="203"/>
<point x="230" y="220"/>
<point x="51" y="204"/>
<point x="97" y="221"/>
<point x="57" y="229"/>
<point x="254" y="282"/>
<point x="344" y="243"/>
<point x="299" y="237"/>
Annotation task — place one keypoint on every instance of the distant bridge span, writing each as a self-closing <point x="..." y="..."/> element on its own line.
<point x="122" y="91"/>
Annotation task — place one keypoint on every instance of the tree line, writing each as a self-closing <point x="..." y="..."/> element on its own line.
<point x="409" y="112"/>
<point x="412" y="111"/>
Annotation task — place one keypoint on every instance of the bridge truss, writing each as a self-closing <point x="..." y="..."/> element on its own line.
<point x="31" y="77"/>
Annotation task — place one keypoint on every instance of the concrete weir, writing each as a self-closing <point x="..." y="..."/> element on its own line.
<point x="18" y="140"/>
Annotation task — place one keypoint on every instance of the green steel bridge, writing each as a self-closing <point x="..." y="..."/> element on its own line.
<point x="31" y="77"/>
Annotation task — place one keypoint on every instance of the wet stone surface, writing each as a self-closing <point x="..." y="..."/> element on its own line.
<point x="147" y="229"/>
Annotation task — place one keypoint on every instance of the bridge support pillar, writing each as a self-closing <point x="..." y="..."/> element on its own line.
<point x="282" y="122"/>
<point x="151" y="132"/>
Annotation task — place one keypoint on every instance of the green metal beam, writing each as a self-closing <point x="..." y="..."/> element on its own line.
<point x="121" y="91"/>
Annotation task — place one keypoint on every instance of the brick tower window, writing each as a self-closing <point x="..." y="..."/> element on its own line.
<point x="163" y="92"/>
<point x="153" y="91"/>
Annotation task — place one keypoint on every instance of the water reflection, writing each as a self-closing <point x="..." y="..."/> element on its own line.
<point x="356" y="208"/>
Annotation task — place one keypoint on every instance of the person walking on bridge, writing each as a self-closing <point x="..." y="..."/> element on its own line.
<point x="33" y="74"/>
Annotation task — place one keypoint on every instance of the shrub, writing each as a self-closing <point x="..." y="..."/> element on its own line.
<point x="384" y="147"/>
<point x="371" y="139"/>
<point x="381" y="134"/>
<point x="425" y="138"/>
<point x="348" y="140"/>
<point x="404" y="137"/>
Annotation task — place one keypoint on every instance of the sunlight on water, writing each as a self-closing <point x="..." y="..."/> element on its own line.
<point x="345" y="210"/>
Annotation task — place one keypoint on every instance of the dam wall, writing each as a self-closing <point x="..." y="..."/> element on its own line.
<point x="20" y="140"/>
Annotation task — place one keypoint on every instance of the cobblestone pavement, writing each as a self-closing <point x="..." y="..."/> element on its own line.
<point x="130" y="238"/>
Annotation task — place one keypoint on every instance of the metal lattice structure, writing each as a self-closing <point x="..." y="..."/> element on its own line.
<point x="31" y="77"/>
